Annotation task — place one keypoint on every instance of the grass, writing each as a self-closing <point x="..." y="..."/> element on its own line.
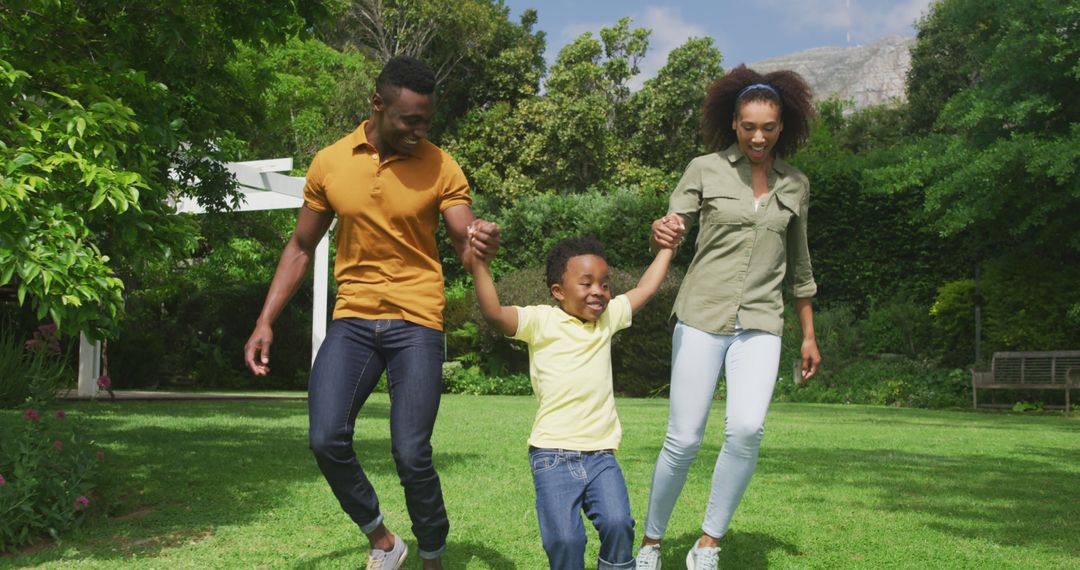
<point x="233" y="485"/>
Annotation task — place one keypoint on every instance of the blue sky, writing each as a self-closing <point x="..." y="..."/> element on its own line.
<point x="745" y="31"/>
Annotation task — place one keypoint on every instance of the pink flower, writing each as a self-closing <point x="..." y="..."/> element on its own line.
<point x="2" y="480"/>
<point x="58" y="445"/>
<point x="32" y="414"/>
<point x="104" y="382"/>
<point x="81" y="503"/>
<point x="32" y="344"/>
<point x="47" y="329"/>
<point x="100" y="454"/>
<point x="60" y="415"/>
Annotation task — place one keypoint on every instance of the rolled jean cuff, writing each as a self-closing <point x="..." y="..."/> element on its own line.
<point x="602" y="564"/>
<point x="371" y="526"/>
<point x="431" y="554"/>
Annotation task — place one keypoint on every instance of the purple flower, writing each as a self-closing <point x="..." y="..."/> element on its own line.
<point x="104" y="382"/>
<point x="47" y="329"/>
<point x="60" y="415"/>
<point x="81" y="503"/>
<point x="32" y="415"/>
<point x="58" y="445"/>
<point x="2" y="480"/>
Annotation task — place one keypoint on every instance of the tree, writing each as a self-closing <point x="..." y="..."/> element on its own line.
<point x="111" y="112"/>
<point x="999" y="156"/>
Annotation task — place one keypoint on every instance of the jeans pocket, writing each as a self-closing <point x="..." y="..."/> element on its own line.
<point x="543" y="461"/>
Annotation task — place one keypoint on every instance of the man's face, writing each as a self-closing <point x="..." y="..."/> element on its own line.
<point x="403" y="118"/>
<point x="585" y="289"/>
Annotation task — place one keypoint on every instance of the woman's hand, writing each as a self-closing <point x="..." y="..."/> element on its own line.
<point x="811" y="358"/>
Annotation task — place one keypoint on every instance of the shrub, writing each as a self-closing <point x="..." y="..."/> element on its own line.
<point x="897" y="325"/>
<point x="47" y="472"/>
<point x="896" y="381"/>
<point x="32" y="371"/>
<point x="953" y="319"/>
<point x="461" y="379"/>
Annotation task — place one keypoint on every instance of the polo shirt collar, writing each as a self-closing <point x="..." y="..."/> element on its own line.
<point x="733" y="154"/>
<point x="568" y="318"/>
<point x="359" y="139"/>
<point x="359" y="136"/>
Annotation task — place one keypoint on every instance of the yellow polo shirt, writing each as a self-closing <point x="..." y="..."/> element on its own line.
<point x="387" y="264"/>
<point x="570" y="368"/>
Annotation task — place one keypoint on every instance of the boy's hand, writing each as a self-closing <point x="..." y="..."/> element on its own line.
<point x="668" y="232"/>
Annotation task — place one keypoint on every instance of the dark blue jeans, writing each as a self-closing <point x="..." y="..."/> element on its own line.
<point x="346" y="370"/>
<point x="568" y="482"/>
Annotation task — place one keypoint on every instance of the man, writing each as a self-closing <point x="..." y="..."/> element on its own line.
<point x="387" y="185"/>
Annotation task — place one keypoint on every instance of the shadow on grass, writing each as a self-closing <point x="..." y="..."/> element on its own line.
<point x="740" y="549"/>
<point x="194" y="477"/>
<point x="950" y="419"/>
<point x="1008" y="500"/>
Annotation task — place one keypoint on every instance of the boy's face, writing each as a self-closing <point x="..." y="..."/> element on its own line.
<point x="585" y="289"/>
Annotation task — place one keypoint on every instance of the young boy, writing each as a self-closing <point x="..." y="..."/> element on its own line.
<point x="576" y="430"/>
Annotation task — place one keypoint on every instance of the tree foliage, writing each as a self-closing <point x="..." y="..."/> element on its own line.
<point x="110" y="113"/>
<point x="992" y="90"/>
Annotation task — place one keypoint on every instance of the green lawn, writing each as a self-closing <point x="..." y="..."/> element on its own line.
<point x="233" y="485"/>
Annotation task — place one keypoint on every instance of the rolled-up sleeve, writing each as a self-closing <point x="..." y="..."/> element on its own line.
<point x="799" y="279"/>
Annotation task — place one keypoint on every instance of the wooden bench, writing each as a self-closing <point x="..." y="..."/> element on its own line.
<point x="1054" y="370"/>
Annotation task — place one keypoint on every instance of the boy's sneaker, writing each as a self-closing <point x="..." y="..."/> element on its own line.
<point x="703" y="558"/>
<point x="648" y="557"/>
<point x="388" y="559"/>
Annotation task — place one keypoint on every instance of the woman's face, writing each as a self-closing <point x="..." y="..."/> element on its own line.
<point x="757" y="125"/>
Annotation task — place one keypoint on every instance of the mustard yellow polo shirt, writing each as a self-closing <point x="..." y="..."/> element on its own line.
<point x="387" y="264"/>
<point x="745" y="258"/>
<point x="570" y="368"/>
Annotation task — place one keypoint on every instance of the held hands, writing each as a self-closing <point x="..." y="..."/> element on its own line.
<point x="483" y="242"/>
<point x="668" y="232"/>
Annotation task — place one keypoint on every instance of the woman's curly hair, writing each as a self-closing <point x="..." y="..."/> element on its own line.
<point x="795" y="100"/>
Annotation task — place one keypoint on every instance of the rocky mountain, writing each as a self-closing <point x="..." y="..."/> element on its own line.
<point x="867" y="75"/>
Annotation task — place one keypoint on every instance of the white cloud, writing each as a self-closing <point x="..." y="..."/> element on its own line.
<point x="867" y="20"/>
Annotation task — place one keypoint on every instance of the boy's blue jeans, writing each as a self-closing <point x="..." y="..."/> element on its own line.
<point x="348" y="366"/>
<point x="568" y="482"/>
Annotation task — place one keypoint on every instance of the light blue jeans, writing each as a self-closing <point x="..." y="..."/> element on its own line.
<point x="752" y="359"/>
<point x="569" y="482"/>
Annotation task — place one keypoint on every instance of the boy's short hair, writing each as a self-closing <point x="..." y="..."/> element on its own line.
<point x="567" y="248"/>
<point x="408" y="72"/>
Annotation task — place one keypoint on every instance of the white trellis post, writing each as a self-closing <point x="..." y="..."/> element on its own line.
<point x="262" y="187"/>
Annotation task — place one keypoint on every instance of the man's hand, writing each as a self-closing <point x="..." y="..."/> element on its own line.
<point x="257" y="349"/>
<point x="484" y="239"/>
<point x="668" y="231"/>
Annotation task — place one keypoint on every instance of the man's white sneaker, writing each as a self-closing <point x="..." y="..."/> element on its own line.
<point x="648" y="557"/>
<point x="703" y="558"/>
<point x="391" y="559"/>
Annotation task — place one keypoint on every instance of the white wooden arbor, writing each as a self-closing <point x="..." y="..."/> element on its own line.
<point x="262" y="187"/>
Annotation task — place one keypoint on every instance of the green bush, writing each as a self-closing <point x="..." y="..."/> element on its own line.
<point x="32" y="371"/>
<point x="953" y="320"/>
<point x="897" y="325"/>
<point x="47" y="476"/>
<point x="461" y="379"/>
<point x="896" y="381"/>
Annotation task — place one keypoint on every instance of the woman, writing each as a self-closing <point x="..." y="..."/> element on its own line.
<point x="752" y="243"/>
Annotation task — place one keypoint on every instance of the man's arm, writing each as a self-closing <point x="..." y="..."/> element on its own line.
<point x="465" y="230"/>
<point x="292" y="267"/>
<point x="650" y="282"/>
<point x="503" y="318"/>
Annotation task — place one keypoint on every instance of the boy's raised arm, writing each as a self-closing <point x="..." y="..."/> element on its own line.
<point x="650" y="282"/>
<point x="503" y="318"/>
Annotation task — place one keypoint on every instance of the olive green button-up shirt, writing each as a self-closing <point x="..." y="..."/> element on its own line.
<point x="744" y="256"/>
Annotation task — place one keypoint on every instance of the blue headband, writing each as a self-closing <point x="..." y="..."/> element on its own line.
<point x="757" y="86"/>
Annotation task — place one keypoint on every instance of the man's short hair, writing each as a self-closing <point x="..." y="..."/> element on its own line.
<point x="405" y="71"/>
<point x="570" y="247"/>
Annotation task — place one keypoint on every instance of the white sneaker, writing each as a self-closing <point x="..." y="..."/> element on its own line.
<point x="648" y="557"/>
<point x="391" y="559"/>
<point x="703" y="558"/>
